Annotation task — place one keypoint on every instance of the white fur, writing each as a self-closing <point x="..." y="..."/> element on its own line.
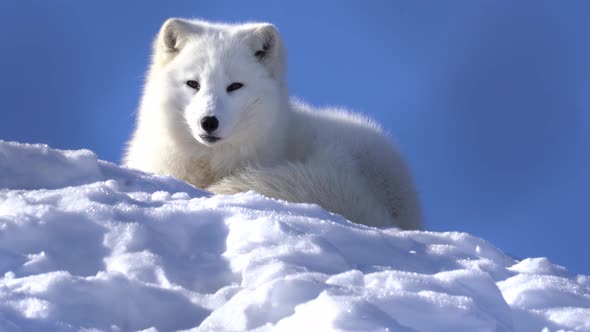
<point x="269" y="144"/>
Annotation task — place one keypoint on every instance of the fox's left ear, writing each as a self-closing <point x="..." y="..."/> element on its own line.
<point x="267" y="47"/>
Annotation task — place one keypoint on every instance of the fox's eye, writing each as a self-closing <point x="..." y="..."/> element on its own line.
<point x="234" y="86"/>
<point x="193" y="84"/>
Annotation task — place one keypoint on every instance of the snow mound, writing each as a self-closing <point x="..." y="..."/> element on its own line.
<point x="87" y="245"/>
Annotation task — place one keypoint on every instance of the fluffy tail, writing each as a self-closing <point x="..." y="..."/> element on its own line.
<point x="328" y="183"/>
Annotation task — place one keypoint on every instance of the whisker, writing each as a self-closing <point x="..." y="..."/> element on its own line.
<point x="253" y="104"/>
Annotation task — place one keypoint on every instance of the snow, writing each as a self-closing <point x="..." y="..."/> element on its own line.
<point x="86" y="245"/>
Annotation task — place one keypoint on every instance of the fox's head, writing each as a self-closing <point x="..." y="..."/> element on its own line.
<point x="219" y="83"/>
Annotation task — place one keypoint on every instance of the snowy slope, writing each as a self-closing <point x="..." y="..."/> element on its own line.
<point x="87" y="245"/>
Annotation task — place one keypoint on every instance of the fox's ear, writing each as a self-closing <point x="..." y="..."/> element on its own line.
<point x="174" y="33"/>
<point x="172" y="37"/>
<point x="267" y="48"/>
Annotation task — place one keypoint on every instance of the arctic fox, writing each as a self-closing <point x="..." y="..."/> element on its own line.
<point x="216" y="113"/>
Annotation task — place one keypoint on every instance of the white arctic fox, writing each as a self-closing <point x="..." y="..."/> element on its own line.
<point x="216" y="113"/>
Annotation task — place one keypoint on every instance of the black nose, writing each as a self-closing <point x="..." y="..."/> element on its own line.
<point x="209" y="123"/>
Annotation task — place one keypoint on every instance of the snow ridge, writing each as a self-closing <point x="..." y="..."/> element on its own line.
<point x="87" y="245"/>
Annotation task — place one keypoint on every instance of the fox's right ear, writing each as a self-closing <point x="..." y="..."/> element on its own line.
<point x="173" y="34"/>
<point x="172" y="37"/>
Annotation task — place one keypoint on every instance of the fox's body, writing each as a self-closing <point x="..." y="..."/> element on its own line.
<point x="216" y="113"/>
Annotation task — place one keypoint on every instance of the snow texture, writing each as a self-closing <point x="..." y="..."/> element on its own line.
<point x="86" y="245"/>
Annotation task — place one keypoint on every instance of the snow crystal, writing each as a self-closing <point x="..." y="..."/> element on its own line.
<point x="87" y="245"/>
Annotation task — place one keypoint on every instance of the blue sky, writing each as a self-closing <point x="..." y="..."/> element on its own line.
<point x="488" y="100"/>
